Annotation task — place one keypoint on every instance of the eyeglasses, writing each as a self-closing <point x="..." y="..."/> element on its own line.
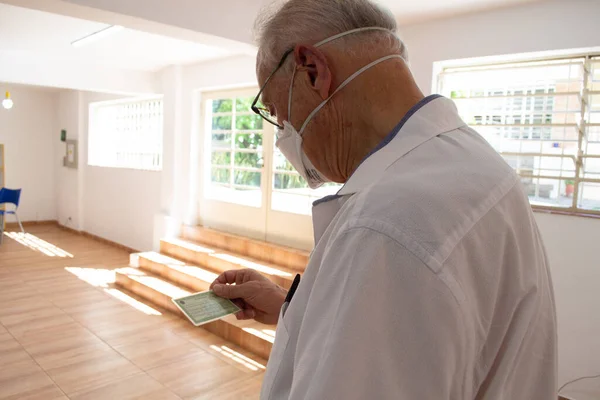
<point x="262" y="111"/>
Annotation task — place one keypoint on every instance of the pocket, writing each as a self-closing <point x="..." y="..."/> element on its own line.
<point x="276" y="358"/>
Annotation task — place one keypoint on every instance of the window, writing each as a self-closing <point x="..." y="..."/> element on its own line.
<point x="126" y="134"/>
<point x="243" y="165"/>
<point x="543" y="117"/>
<point x="236" y="151"/>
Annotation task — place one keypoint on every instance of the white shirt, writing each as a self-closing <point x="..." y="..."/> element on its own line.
<point x="429" y="279"/>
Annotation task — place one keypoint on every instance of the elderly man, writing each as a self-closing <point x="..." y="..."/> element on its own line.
<point x="429" y="279"/>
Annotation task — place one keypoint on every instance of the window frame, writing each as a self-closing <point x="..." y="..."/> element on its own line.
<point x="93" y="128"/>
<point x="268" y="170"/>
<point x="208" y="166"/>
<point x="590" y="62"/>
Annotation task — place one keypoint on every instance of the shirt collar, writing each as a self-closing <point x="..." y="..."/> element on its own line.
<point x="431" y="117"/>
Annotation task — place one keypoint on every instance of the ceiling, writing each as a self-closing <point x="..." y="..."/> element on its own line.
<point x="411" y="11"/>
<point x="36" y="35"/>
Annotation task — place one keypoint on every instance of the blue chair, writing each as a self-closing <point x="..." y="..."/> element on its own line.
<point x="9" y="196"/>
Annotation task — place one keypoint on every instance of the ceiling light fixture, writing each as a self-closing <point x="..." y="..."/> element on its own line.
<point x="7" y="102"/>
<point x="102" y="33"/>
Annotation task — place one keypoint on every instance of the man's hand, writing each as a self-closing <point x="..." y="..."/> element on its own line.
<point x="258" y="297"/>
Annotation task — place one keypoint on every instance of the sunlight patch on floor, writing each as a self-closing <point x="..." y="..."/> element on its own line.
<point x="249" y="264"/>
<point x="206" y="276"/>
<point x="138" y="305"/>
<point x="161" y="286"/>
<point x="130" y="271"/>
<point x="96" y="277"/>
<point x="35" y="243"/>
<point x="260" y="334"/>
<point x="105" y="278"/>
<point x="160" y="258"/>
<point x="189" y="246"/>
<point x="238" y="357"/>
<point x="177" y="265"/>
<point x="269" y="332"/>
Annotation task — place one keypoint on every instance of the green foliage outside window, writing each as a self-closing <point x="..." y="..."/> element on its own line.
<point x="221" y="140"/>
<point x="220" y="175"/>
<point x="247" y="178"/>
<point x="248" y="160"/>
<point x="249" y="141"/>
<point x="253" y="140"/>
<point x="224" y="105"/>
<point x="248" y="122"/>
<point x="221" y="158"/>
<point x="286" y="181"/>
<point x="243" y="104"/>
<point x="222" y="123"/>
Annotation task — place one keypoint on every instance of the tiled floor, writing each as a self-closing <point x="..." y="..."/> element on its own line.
<point x="66" y="332"/>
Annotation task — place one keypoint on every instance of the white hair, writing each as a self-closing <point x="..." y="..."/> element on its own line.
<point x="284" y="24"/>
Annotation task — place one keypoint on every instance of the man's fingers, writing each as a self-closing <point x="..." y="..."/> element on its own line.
<point x="240" y="303"/>
<point x="234" y="291"/>
<point x="248" y="313"/>
<point x="227" y="277"/>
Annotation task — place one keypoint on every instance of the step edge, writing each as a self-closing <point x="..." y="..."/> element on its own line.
<point x="289" y="270"/>
<point x="288" y="249"/>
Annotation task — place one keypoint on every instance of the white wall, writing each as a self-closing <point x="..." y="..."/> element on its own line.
<point x="572" y="242"/>
<point x="113" y="203"/>
<point x="572" y="246"/>
<point x="67" y="179"/>
<point x="118" y="204"/>
<point x="29" y="132"/>
<point x="543" y="26"/>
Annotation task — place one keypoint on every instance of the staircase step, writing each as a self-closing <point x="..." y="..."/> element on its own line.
<point x="218" y="261"/>
<point x="184" y="275"/>
<point x="249" y="335"/>
<point x="257" y="249"/>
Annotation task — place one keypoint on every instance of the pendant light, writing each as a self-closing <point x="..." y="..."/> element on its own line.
<point x="7" y="102"/>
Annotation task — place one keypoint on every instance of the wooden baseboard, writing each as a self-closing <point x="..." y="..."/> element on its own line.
<point x="66" y="228"/>
<point x="98" y="238"/>
<point x="110" y="242"/>
<point x="14" y="225"/>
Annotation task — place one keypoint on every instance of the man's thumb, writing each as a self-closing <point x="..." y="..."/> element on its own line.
<point x="230" y="291"/>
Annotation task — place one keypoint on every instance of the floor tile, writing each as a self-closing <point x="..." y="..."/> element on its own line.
<point x="115" y="327"/>
<point x="26" y="380"/>
<point x="248" y="389"/>
<point x="228" y="352"/>
<point x="21" y="325"/>
<point x="92" y="373"/>
<point x="159" y="350"/>
<point x="139" y="386"/>
<point x="195" y="375"/>
<point x="63" y="353"/>
<point x="11" y="351"/>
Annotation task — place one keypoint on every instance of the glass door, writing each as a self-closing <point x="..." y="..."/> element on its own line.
<point x="249" y="187"/>
<point x="233" y="168"/>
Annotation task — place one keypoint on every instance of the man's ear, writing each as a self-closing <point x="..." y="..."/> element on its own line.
<point x="312" y="60"/>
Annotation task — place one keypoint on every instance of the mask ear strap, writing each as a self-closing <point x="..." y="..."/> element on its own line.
<point x="289" y="118"/>
<point x="346" y="82"/>
<point x="321" y="43"/>
<point x="339" y="35"/>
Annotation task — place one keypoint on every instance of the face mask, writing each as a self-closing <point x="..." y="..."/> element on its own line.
<point x="289" y="141"/>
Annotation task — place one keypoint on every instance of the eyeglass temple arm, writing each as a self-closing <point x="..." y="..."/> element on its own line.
<point x="257" y="98"/>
